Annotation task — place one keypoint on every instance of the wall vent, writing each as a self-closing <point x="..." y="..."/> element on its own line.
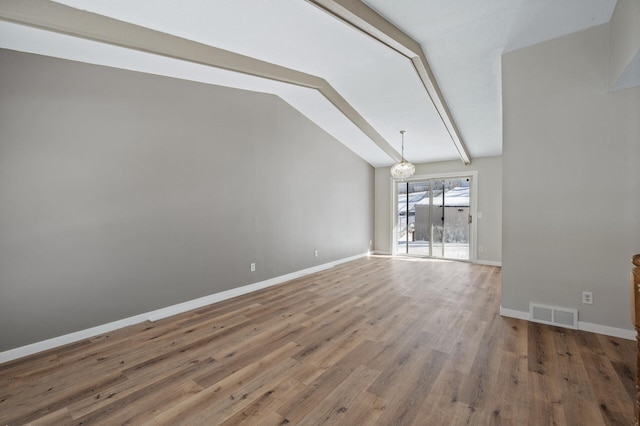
<point x="562" y="317"/>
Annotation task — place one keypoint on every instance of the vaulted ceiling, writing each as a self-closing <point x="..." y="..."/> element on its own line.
<point x="363" y="71"/>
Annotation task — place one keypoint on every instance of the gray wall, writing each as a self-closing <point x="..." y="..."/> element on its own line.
<point x="122" y="192"/>
<point x="489" y="200"/>
<point x="571" y="179"/>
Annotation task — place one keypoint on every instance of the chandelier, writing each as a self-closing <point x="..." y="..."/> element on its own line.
<point x="403" y="169"/>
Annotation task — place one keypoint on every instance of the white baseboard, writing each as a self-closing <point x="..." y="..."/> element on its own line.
<point x="488" y="263"/>
<point x="381" y="253"/>
<point x="622" y="333"/>
<point x="69" y="338"/>
<point x="514" y="314"/>
<point x="163" y="312"/>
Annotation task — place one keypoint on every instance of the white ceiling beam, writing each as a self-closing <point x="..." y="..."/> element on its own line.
<point x="55" y="17"/>
<point x="367" y="20"/>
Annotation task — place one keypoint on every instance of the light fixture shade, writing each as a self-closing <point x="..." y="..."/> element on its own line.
<point x="402" y="170"/>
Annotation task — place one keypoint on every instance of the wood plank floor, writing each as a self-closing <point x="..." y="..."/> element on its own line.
<point x="378" y="341"/>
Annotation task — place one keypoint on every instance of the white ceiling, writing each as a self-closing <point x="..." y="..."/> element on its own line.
<point x="462" y="39"/>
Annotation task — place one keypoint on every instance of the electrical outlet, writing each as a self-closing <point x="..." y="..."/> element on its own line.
<point x="315" y="253"/>
<point x="587" y="298"/>
<point x="253" y="267"/>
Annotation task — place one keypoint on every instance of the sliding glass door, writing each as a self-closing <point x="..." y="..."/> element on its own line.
<point x="433" y="218"/>
<point x="413" y="233"/>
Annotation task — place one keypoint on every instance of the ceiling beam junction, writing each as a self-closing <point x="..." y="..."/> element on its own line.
<point x="367" y="20"/>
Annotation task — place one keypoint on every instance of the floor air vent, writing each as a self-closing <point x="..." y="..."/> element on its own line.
<point x="562" y="317"/>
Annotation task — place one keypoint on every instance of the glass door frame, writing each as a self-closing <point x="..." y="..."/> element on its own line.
<point x="473" y="231"/>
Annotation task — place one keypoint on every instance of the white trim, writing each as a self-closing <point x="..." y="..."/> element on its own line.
<point x="514" y="314"/>
<point x="54" y="342"/>
<point x="394" y="215"/>
<point x="488" y="263"/>
<point x="473" y="200"/>
<point x="158" y="314"/>
<point x="622" y="333"/>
